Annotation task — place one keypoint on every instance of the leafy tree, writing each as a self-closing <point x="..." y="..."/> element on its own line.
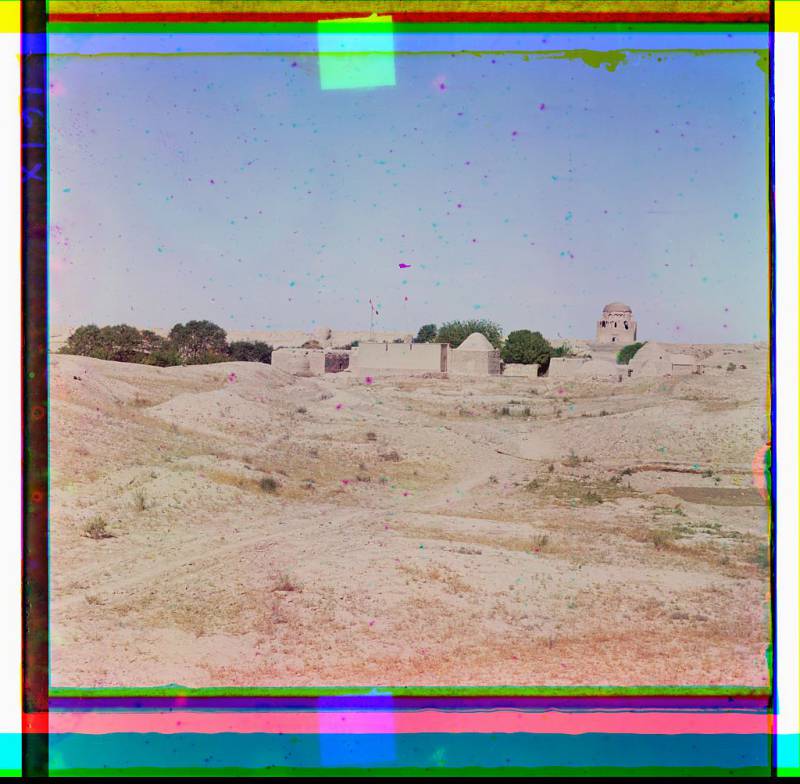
<point x="198" y="340"/>
<point x="426" y="334"/>
<point x="250" y="351"/>
<point x="120" y="343"/>
<point x="84" y="341"/>
<point x="456" y="332"/>
<point x="526" y="348"/>
<point x="626" y="354"/>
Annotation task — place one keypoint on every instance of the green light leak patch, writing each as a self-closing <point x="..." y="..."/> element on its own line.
<point x="595" y="59"/>
<point x="356" y="53"/>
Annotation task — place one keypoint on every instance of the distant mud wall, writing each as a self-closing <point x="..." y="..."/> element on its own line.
<point x="402" y="357"/>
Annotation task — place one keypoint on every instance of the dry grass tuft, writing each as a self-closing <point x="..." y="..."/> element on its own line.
<point x="97" y="528"/>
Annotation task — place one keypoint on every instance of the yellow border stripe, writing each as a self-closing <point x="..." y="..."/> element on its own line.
<point x="10" y="16"/>
<point x="387" y="6"/>
<point x="787" y="16"/>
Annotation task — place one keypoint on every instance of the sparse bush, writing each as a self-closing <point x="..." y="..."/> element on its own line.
<point x="526" y="411"/>
<point x="456" y="332"/>
<point x="526" y="348"/>
<point x="540" y="541"/>
<point x="572" y="459"/>
<point x="660" y="539"/>
<point x="139" y="501"/>
<point x="393" y="456"/>
<point x="286" y="583"/>
<point x="97" y="528"/>
<point x="505" y="411"/>
<point x="493" y="479"/>
<point x="591" y="497"/>
<point x="301" y="410"/>
<point x="268" y="484"/>
<point x="564" y="350"/>
<point x="626" y="354"/>
<point x="372" y="436"/>
<point x="550" y="468"/>
<point x="731" y="367"/>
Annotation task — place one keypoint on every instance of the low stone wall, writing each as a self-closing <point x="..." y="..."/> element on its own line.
<point x="523" y="371"/>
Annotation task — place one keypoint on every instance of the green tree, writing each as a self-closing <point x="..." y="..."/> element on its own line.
<point x="526" y="348"/>
<point x="198" y="342"/>
<point x="456" y="332"/>
<point x="626" y="354"/>
<point x="250" y="351"/>
<point x="426" y="334"/>
<point x="120" y="343"/>
<point x="84" y="341"/>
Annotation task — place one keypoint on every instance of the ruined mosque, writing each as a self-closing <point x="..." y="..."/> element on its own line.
<point x="476" y="357"/>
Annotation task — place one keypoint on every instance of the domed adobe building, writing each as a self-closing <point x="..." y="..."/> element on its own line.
<point x="617" y="325"/>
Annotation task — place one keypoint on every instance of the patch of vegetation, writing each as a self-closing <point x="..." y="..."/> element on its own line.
<point x="250" y="351"/>
<point x="627" y="353"/>
<point x="139" y="501"/>
<point x="393" y="456"/>
<point x="372" y="436"/>
<point x="427" y="334"/>
<point x="564" y="350"/>
<point x="456" y="332"/>
<point x="287" y="584"/>
<point x="301" y="410"/>
<point x="731" y="367"/>
<point x="193" y="343"/>
<point x="526" y="348"/>
<point x="97" y="528"/>
<point x="268" y="484"/>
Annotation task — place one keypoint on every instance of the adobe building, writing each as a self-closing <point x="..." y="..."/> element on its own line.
<point x="616" y="325"/>
<point x="474" y="357"/>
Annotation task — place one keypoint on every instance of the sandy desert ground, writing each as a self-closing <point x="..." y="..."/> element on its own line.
<point x="262" y="529"/>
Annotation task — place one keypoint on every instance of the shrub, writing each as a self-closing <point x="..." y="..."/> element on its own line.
<point x="140" y="501"/>
<point x="285" y="582"/>
<point x="372" y="436"/>
<point x="626" y="354"/>
<point x="731" y="367"/>
<point x="96" y="529"/>
<point x="301" y="410"/>
<point x="197" y="341"/>
<point x="269" y="485"/>
<point x="426" y="334"/>
<point x="162" y="357"/>
<point x="526" y="348"/>
<point x="456" y="332"/>
<point x="250" y="351"/>
<point x="564" y="350"/>
<point x="311" y="344"/>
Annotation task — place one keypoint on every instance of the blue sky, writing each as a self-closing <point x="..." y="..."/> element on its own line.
<point x="528" y="192"/>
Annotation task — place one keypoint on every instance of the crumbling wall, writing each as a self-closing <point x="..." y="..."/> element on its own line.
<point x="299" y="362"/>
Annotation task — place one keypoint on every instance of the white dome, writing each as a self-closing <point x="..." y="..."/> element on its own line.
<point x="476" y="342"/>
